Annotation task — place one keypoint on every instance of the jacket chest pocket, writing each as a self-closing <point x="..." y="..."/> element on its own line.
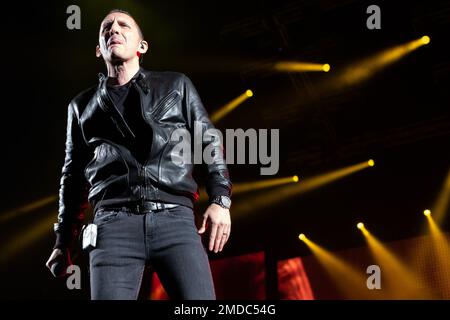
<point x="161" y="111"/>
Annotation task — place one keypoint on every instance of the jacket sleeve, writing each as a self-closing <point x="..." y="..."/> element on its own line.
<point x="73" y="189"/>
<point x="218" y="179"/>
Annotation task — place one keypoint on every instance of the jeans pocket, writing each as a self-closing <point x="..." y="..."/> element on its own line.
<point x="106" y="216"/>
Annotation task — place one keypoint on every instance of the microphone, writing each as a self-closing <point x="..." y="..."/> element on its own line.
<point x="59" y="266"/>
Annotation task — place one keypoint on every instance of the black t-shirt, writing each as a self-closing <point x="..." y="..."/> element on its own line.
<point x="127" y="101"/>
<point x="118" y="95"/>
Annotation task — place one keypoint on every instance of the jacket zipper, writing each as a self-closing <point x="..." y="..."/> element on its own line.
<point x="166" y="103"/>
<point x="162" y="154"/>
<point x="152" y="147"/>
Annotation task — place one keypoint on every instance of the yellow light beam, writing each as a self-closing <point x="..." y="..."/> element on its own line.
<point x="361" y="227"/>
<point x="5" y="216"/>
<point x="365" y="68"/>
<point x="441" y="250"/>
<point x="27" y="237"/>
<point x="435" y="231"/>
<point x="350" y="281"/>
<point x="223" y="111"/>
<point x="243" y="187"/>
<point x="297" y="66"/>
<point x="263" y="200"/>
<point x="437" y="249"/>
<point x="425" y="39"/>
<point x="400" y="281"/>
<point x="257" y="185"/>
<point x="440" y="205"/>
<point x="435" y="252"/>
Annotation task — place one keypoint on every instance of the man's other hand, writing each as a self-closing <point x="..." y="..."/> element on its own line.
<point x="219" y="221"/>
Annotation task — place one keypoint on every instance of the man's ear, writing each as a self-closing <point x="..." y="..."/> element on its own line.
<point x="143" y="46"/>
<point x="98" y="54"/>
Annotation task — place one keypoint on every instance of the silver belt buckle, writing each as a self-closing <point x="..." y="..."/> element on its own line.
<point x="152" y="206"/>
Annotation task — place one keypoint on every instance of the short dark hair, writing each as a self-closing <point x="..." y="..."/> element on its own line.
<point x="141" y="34"/>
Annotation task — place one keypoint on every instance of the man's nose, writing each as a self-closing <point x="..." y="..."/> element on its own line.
<point x="114" y="27"/>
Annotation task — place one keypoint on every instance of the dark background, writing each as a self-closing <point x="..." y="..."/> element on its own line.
<point x="399" y="117"/>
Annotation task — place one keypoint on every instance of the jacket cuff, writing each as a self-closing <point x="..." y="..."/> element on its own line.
<point x="219" y="190"/>
<point x="61" y="241"/>
<point x="65" y="237"/>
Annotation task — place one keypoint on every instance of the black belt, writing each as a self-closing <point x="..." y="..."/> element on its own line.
<point x="141" y="207"/>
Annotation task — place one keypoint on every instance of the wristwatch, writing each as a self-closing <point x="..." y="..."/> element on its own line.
<point x="223" y="201"/>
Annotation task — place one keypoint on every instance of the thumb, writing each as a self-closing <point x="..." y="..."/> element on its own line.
<point x="203" y="227"/>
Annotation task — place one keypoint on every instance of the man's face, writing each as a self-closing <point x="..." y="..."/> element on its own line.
<point x="119" y="38"/>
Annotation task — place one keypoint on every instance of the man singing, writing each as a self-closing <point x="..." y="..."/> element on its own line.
<point x="118" y="157"/>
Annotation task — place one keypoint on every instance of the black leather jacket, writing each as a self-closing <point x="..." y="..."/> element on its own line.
<point x="99" y="168"/>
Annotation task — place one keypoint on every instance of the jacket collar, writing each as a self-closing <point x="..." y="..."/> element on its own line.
<point x="139" y="78"/>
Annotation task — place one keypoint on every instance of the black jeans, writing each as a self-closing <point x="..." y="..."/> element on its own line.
<point x="167" y="240"/>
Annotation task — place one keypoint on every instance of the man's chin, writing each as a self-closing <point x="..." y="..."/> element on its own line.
<point x="117" y="56"/>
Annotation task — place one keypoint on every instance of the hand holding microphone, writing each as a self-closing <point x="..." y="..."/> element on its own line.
<point x="58" y="262"/>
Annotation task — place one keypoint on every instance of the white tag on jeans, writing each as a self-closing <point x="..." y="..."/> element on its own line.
<point x="90" y="236"/>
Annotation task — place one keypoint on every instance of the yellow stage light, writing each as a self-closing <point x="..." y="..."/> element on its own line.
<point x="371" y="163"/>
<point x="440" y="254"/>
<point x="440" y="205"/>
<point x="425" y="39"/>
<point x="298" y="66"/>
<point x="230" y="106"/>
<point x="27" y="237"/>
<point x="349" y="279"/>
<point x="400" y="281"/>
<point x="364" y="69"/>
<point x="5" y="216"/>
<point x="242" y="187"/>
<point x="363" y="229"/>
<point x="292" y="189"/>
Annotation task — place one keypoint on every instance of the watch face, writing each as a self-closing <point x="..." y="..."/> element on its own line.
<point x="226" y="201"/>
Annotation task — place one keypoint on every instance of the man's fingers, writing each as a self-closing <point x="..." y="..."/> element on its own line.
<point x="55" y="254"/>
<point x="212" y="236"/>
<point x="203" y="227"/>
<point x="48" y="264"/>
<point x="220" y="226"/>
<point x="225" y="236"/>
<point x="219" y="236"/>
